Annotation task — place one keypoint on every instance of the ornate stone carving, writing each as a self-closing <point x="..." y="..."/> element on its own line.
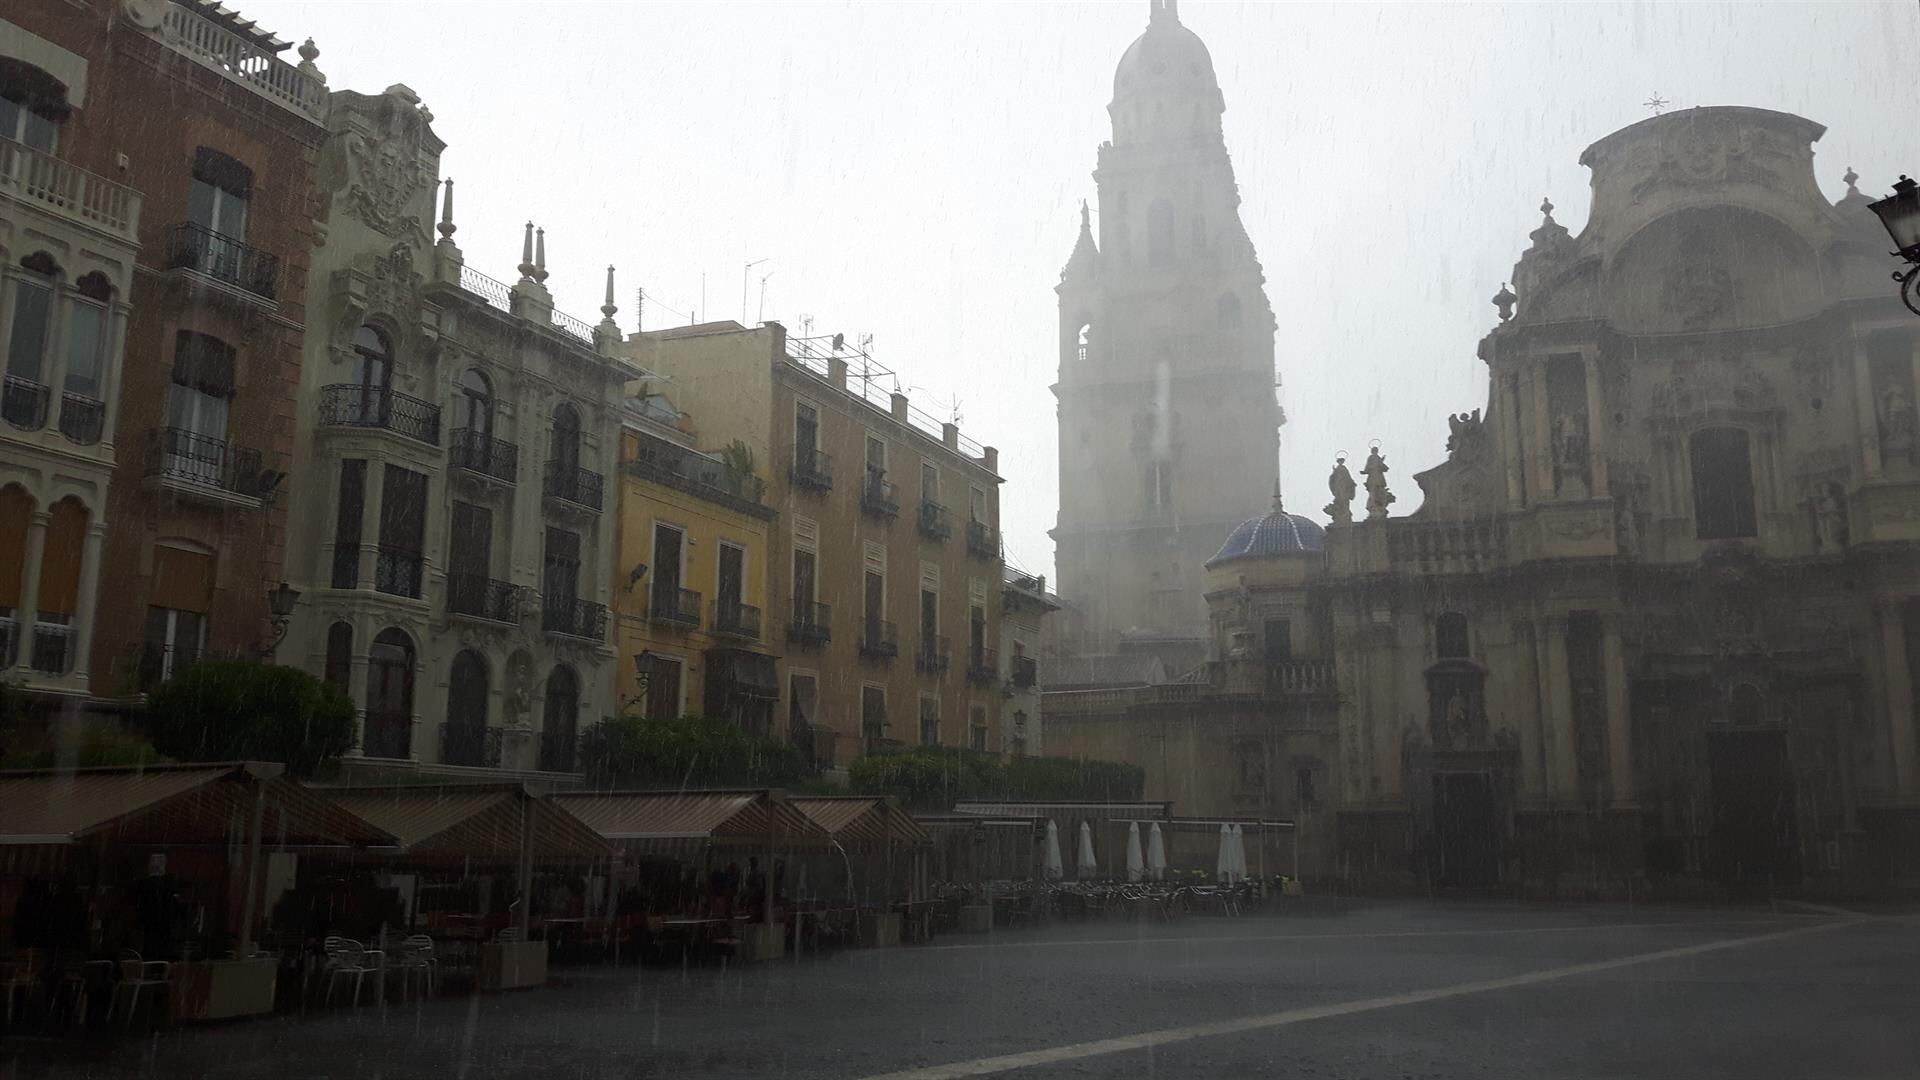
<point x="517" y="703"/>
<point x="1378" y="497"/>
<point x="1464" y="432"/>
<point x="1713" y="158"/>
<point x="385" y="170"/>
<point x="1696" y="293"/>
<point x="1340" y="483"/>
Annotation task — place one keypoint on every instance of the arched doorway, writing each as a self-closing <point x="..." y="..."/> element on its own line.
<point x="560" y="726"/>
<point x="389" y="728"/>
<point x="463" y="738"/>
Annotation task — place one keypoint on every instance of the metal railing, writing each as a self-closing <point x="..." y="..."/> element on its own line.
<point x="931" y="657"/>
<point x="355" y="405"/>
<point x="82" y="419"/>
<point x="52" y="642"/>
<point x="23" y="403"/>
<point x="812" y="469"/>
<point x="496" y="293"/>
<point x="877" y="499"/>
<point x="933" y="522"/>
<point x="397" y="571"/>
<point x="483" y="598"/>
<point x="674" y="606"/>
<point x="574" y="618"/>
<point x="192" y="246"/>
<point x="470" y="744"/>
<point x="387" y="734"/>
<point x="246" y="63"/>
<point x="483" y="453"/>
<point x="879" y="640"/>
<point x="696" y="474"/>
<point x="736" y="620"/>
<point x="69" y="191"/>
<point x="570" y="483"/>
<point x="559" y="751"/>
<point x="179" y="454"/>
<point x="983" y="666"/>
<point x="983" y="540"/>
<point x="1025" y="672"/>
<point x="571" y="326"/>
<point x="1300" y="677"/>
<point x="811" y="625"/>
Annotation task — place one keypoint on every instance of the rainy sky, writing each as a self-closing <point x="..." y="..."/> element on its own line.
<point x="913" y="170"/>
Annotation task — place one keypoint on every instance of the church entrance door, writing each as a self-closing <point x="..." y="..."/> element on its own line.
<point x="1466" y="828"/>
<point x="1755" y="838"/>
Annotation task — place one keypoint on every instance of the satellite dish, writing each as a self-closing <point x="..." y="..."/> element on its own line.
<point x="147" y="14"/>
<point x="839" y="342"/>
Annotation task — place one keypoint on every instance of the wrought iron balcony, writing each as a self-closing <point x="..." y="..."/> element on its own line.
<point x="983" y="667"/>
<point x="482" y="453"/>
<point x="559" y="751"/>
<point x="52" y="645"/>
<point x="983" y="540"/>
<point x="1026" y="672"/>
<point x="82" y="419"/>
<point x="387" y="734"/>
<point x="355" y="405"/>
<point x="812" y="470"/>
<point x="933" y="522"/>
<point x="877" y="499"/>
<point x="931" y="657"/>
<point x="470" y="744"/>
<point x="697" y="474"/>
<point x="736" y="620"/>
<point x="879" y="640"/>
<point x="189" y="457"/>
<point x="23" y="403"/>
<point x="675" y="607"/>
<point x="191" y="246"/>
<point x="574" y="618"/>
<point x="811" y="625"/>
<point x="572" y="484"/>
<point x="397" y="571"/>
<point x="49" y="184"/>
<point x="483" y="598"/>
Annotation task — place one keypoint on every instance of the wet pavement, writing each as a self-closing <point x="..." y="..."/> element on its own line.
<point x="1406" y="991"/>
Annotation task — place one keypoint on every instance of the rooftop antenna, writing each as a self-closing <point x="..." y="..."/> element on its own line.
<point x="806" y="325"/>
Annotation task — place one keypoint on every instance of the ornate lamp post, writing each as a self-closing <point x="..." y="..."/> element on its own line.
<point x="1900" y="213"/>
<point x="280" y="602"/>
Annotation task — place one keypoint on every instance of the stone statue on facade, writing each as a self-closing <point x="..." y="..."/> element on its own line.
<point x="1340" y="482"/>
<point x="1463" y="431"/>
<point x="1569" y="449"/>
<point x="1829" y="517"/>
<point x="1378" y="497"/>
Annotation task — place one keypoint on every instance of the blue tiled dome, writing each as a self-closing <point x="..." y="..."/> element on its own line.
<point x="1276" y="533"/>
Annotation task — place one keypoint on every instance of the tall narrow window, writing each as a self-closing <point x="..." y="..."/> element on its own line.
<point x="875" y="604"/>
<point x="929" y="720"/>
<point x="476" y="403"/>
<point x="806" y="431"/>
<point x="929" y="482"/>
<point x="82" y="413"/>
<point x="560" y="577"/>
<point x="463" y="738"/>
<point x="222" y="188"/>
<point x="565" y="451"/>
<point x="24" y="403"/>
<point x="1278" y="643"/>
<point x="389" y="727"/>
<point x="802" y="701"/>
<point x="977" y="728"/>
<point x="560" y="725"/>
<point x="1160" y="234"/>
<point x="1722" y="484"/>
<point x="873" y="715"/>
<point x="173" y="642"/>
<point x="668" y="543"/>
<point x="373" y="373"/>
<point x="977" y="635"/>
<point x="730" y="588"/>
<point x="29" y="119"/>
<point x="339" y="669"/>
<point x="663" y="688"/>
<point x="403" y="528"/>
<point x="346" y="526"/>
<point x="805" y="587"/>
<point x="1450" y="636"/>
<point x="197" y="400"/>
<point x="470" y="563"/>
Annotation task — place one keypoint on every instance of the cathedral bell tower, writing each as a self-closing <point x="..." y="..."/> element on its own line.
<point x="1169" y="428"/>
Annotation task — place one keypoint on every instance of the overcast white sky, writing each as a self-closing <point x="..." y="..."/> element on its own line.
<point x="912" y="170"/>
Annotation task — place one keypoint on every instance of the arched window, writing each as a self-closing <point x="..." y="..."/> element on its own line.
<point x="1722" y="484"/>
<point x="565" y="456"/>
<point x="24" y="404"/>
<point x="51" y="645"/>
<point x="1450" y="636"/>
<point x="1082" y="338"/>
<point x="82" y="410"/>
<point x="476" y="403"/>
<point x="32" y="104"/>
<point x="463" y="739"/>
<point x="1160" y="234"/>
<point x="1226" y="311"/>
<point x="389" y="731"/>
<point x="375" y="374"/>
<point x="339" y="670"/>
<point x="560" y="729"/>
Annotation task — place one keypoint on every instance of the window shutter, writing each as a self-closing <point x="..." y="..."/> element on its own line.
<point x="182" y="580"/>
<point x="874" y="557"/>
<point x="806" y="534"/>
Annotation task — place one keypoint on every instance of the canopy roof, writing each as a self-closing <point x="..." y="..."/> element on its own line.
<point x="479" y="821"/>
<point x="1126" y="811"/>
<point x="862" y="819"/>
<point x="738" y="817"/>
<point x="202" y="804"/>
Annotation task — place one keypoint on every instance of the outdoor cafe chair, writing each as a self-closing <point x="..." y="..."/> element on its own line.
<point x="74" y="992"/>
<point x="23" y="977"/>
<point x="416" y="960"/>
<point x="137" y="975"/>
<point x="348" y="960"/>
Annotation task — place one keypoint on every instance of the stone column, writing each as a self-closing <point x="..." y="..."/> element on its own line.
<point x="1539" y="431"/>
<point x="358" y="681"/>
<point x="1562" y="763"/>
<point x="1866" y="414"/>
<point x="1596" y="424"/>
<point x="1535" y="784"/>
<point x="1899" y="699"/>
<point x="84" y="616"/>
<point x="55" y="368"/>
<point x="1619" y="718"/>
<point x="29" y="611"/>
<point x="1507" y="401"/>
<point x="111" y="371"/>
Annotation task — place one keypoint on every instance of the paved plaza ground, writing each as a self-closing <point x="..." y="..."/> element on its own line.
<point x="1404" y="990"/>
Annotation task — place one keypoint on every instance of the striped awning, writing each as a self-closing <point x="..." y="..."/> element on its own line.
<point x="861" y="820"/>
<point x="1088" y="811"/>
<point x="736" y="818"/>
<point x="173" y="804"/>
<point x="481" y="821"/>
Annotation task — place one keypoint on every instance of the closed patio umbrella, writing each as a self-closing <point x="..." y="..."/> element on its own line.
<point x="1223" y="862"/>
<point x="1055" y="869"/>
<point x="1239" y="854"/>
<point x="1136" y="862"/>
<point x="1156" y="854"/>
<point x="1086" y="867"/>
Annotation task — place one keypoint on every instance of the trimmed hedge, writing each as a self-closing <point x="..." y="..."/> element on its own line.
<point x="234" y="710"/>
<point x="934" y="778"/>
<point x="691" y="752"/>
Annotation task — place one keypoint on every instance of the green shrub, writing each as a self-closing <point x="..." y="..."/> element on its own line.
<point x="232" y="710"/>
<point x="690" y="752"/>
<point x="98" y="749"/>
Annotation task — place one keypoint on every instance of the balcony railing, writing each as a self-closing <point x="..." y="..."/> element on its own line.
<point x="9" y="636"/>
<point x="82" y="419"/>
<point x="68" y="191"/>
<point x="983" y="667"/>
<point x="179" y="454"/>
<point x="931" y="657"/>
<point x="52" y="644"/>
<point x="1462" y="547"/>
<point x="736" y="620"/>
<point x="346" y="566"/>
<point x="246" y="63"/>
<point x="675" y="607"/>
<point x="574" y="618"/>
<point x="879" y="640"/>
<point x="23" y="403"/>
<point x="1026" y="672"/>
<point x="387" y="735"/>
<point x="933" y="522"/>
<point x="812" y="470"/>
<point x="470" y="744"/>
<point x="811" y="625"/>
<point x="1300" y="677"/>
<point x="192" y="246"/>
<point x="697" y="474"/>
<point x="483" y="598"/>
<point x="559" y="751"/>
<point x="983" y="540"/>
<point x="484" y="454"/>
<point x="877" y="499"/>
<point x="355" y="405"/>
<point x="397" y="571"/>
<point x="573" y="484"/>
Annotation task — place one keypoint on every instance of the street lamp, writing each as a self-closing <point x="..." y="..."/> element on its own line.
<point x="1900" y="213"/>
<point x="280" y="602"/>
